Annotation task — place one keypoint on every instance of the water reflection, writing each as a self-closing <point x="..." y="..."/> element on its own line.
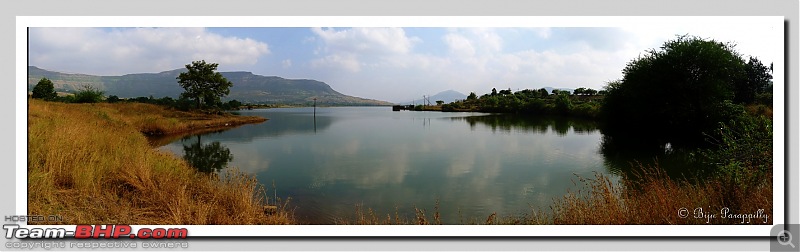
<point x="474" y="164"/>
<point x="621" y="156"/>
<point x="627" y="157"/>
<point x="536" y="124"/>
<point x="208" y="158"/>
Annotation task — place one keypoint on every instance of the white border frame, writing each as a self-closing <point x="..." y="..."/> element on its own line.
<point x="23" y="22"/>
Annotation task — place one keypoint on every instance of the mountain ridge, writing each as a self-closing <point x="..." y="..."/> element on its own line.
<point x="247" y="87"/>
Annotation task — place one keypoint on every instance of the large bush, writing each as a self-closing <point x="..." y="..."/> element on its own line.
<point x="678" y="94"/>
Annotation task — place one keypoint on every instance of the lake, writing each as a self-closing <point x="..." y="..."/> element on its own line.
<point x="473" y="164"/>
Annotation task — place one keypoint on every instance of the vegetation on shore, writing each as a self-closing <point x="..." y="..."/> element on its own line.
<point x="582" y="102"/>
<point x="91" y="163"/>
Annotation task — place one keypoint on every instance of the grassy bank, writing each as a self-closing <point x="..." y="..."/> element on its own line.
<point x="91" y="163"/>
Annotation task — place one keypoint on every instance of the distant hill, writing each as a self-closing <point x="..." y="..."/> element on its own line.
<point x="247" y="87"/>
<point x="446" y="96"/>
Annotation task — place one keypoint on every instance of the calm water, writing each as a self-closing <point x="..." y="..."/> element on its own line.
<point x="474" y="164"/>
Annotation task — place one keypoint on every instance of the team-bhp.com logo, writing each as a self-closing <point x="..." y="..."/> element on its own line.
<point x="95" y="232"/>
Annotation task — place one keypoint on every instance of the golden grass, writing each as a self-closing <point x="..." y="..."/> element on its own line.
<point x="655" y="198"/>
<point x="759" y="109"/>
<point x="90" y="164"/>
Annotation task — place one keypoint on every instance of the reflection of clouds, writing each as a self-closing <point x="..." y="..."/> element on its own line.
<point x="388" y="159"/>
<point x="349" y="149"/>
<point x="460" y="165"/>
<point x="346" y="163"/>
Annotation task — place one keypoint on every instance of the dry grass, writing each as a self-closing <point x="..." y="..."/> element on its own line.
<point x="759" y="109"/>
<point x="655" y="198"/>
<point x="90" y="164"/>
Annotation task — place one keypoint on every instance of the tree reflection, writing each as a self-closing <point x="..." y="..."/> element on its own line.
<point x="627" y="156"/>
<point x="536" y="124"/>
<point x="207" y="158"/>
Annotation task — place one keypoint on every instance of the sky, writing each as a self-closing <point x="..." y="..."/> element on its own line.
<point x="393" y="64"/>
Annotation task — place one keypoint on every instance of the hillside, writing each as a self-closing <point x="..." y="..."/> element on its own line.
<point x="247" y="87"/>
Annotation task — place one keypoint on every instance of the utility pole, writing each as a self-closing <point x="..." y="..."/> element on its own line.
<point x="315" y="115"/>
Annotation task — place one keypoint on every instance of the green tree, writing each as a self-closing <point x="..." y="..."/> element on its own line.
<point x="542" y="92"/>
<point x="472" y="96"/>
<point x="563" y="103"/>
<point x="758" y="77"/>
<point x="674" y="95"/>
<point x="203" y="83"/>
<point x="44" y="90"/>
<point x="440" y="102"/>
<point x="494" y="91"/>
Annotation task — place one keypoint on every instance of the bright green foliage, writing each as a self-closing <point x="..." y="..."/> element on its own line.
<point x="44" y="90"/>
<point x="203" y="83"/>
<point x="675" y="94"/>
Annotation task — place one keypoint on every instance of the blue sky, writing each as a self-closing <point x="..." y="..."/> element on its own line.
<point x="394" y="63"/>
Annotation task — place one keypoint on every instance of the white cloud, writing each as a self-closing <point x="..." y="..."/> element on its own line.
<point x="352" y="49"/>
<point x="366" y="40"/>
<point x="459" y="45"/>
<point x="488" y="39"/>
<point x="287" y="63"/>
<point x="344" y="61"/>
<point x="121" y="51"/>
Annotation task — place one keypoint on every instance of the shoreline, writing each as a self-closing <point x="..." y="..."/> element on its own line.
<point x="164" y="138"/>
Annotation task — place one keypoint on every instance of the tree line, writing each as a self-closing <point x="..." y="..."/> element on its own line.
<point x="204" y="87"/>
<point x="582" y="102"/>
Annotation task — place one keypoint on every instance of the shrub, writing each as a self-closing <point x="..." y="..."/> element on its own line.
<point x="743" y="150"/>
<point x="88" y="94"/>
